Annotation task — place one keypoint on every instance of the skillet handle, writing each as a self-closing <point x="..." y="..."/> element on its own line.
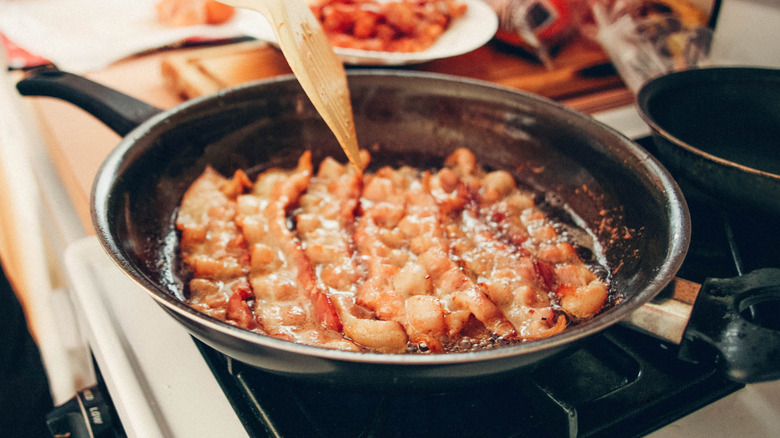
<point x="118" y="111"/>
<point x="666" y="316"/>
<point x="736" y="319"/>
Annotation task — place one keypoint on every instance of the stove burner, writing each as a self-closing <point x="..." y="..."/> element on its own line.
<point x="621" y="383"/>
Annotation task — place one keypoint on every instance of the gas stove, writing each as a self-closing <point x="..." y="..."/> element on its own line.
<point x="160" y="381"/>
<point x="621" y="383"/>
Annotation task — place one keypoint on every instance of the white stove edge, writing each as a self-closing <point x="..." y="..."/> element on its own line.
<point x="157" y="378"/>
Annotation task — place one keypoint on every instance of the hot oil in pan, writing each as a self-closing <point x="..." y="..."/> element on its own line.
<point x="572" y="228"/>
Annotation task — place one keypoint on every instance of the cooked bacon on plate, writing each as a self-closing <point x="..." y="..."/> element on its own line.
<point x="386" y="26"/>
<point x="179" y="13"/>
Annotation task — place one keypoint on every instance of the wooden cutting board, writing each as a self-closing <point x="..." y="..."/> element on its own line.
<point x="204" y="71"/>
<point x="582" y="76"/>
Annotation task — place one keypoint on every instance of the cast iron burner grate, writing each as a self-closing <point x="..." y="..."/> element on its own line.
<point x="620" y="383"/>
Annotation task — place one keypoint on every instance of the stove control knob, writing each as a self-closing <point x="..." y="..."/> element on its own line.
<point x="88" y="414"/>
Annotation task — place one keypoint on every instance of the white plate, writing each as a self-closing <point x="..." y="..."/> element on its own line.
<point x="467" y="33"/>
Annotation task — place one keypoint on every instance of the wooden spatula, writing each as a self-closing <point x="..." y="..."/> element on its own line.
<point x="312" y="60"/>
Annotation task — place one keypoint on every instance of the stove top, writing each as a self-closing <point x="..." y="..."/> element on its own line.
<point x="620" y="383"/>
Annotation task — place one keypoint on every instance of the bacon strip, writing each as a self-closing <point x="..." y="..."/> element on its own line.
<point x="411" y="278"/>
<point x="381" y="247"/>
<point x="213" y="247"/>
<point x="279" y="266"/>
<point x="325" y="222"/>
<point x="508" y="278"/>
<point x="516" y="253"/>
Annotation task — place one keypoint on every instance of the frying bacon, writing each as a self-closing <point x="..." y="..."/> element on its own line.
<point x="212" y="246"/>
<point x="392" y="261"/>
<point x="412" y="279"/>
<point x="526" y="266"/>
<point x="288" y="302"/>
<point x="507" y="275"/>
<point x="383" y="247"/>
<point x="325" y="222"/>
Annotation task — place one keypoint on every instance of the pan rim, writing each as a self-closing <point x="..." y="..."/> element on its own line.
<point x="672" y="262"/>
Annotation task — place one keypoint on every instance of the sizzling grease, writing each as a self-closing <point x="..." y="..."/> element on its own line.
<point x="398" y="260"/>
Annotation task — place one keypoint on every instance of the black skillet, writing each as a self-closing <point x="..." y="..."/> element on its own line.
<point x="615" y="188"/>
<point x="719" y="129"/>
